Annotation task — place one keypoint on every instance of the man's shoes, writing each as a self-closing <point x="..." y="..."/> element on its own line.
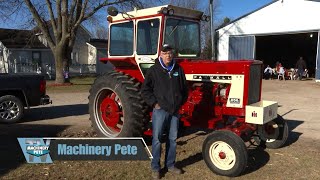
<point x="155" y="175"/>
<point x="175" y="170"/>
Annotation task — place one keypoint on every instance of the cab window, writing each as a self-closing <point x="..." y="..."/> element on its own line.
<point x="121" y="39"/>
<point x="147" y="38"/>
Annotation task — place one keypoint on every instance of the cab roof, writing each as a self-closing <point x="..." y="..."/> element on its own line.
<point x="178" y="11"/>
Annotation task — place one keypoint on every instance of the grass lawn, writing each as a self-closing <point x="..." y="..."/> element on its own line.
<point x="79" y="84"/>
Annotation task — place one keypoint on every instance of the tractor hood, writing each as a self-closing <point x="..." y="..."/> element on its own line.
<point x="217" y="67"/>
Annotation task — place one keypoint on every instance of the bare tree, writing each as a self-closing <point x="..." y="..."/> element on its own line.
<point x="191" y="4"/>
<point x="64" y="18"/>
<point x="101" y="33"/>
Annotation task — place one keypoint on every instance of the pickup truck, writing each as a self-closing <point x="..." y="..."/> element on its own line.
<point x="19" y="92"/>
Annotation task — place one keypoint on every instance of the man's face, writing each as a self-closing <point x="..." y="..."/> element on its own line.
<point x="166" y="57"/>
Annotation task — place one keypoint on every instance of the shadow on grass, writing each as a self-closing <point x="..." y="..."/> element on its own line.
<point x="293" y="136"/>
<point x="257" y="158"/>
<point x="288" y="111"/>
<point x="52" y="112"/>
<point x="189" y="160"/>
<point x="11" y="155"/>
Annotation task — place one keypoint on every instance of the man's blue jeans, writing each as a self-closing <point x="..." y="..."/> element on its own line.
<point x="161" y="120"/>
<point x="300" y="73"/>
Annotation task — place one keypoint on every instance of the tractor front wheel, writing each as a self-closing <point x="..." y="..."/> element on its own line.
<point x="275" y="133"/>
<point x="225" y="153"/>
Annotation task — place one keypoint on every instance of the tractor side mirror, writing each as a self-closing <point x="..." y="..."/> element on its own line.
<point x="112" y="11"/>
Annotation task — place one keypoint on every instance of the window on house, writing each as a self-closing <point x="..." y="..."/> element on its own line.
<point x="74" y="58"/>
<point x="36" y="57"/>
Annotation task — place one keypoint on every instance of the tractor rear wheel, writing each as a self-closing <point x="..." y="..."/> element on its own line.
<point x="225" y="153"/>
<point x="116" y="107"/>
<point x="275" y="133"/>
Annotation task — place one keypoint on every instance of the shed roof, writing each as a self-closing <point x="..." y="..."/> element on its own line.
<point x="99" y="43"/>
<point x="15" y="38"/>
<point x="280" y="16"/>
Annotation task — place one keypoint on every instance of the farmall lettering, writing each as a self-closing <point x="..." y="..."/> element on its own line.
<point x="223" y="95"/>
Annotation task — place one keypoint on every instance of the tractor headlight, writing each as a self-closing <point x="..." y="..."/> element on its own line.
<point x="171" y="12"/>
<point x="165" y="10"/>
<point x="203" y="18"/>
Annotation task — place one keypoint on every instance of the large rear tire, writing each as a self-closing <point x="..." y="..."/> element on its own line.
<point x="11" y="109"/>
<point x="116" y="107"/>
<point x="225" y="153"/>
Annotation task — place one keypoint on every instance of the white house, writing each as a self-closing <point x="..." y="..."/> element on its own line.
<point x="97" y="48"/>
<point x="282" y="30"/>
<point x="30" y="52"/>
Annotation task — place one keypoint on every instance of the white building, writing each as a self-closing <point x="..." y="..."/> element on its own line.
<point x="282" y="30"/>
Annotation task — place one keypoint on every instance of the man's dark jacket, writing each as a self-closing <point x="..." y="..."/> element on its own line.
<point x="301" y="64"/>
<point x="169" y="90"/>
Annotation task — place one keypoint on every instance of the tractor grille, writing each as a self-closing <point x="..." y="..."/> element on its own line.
<point x="254" y="83"/>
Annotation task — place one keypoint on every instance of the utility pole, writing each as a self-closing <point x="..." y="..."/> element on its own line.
<point x="212" y="31"/>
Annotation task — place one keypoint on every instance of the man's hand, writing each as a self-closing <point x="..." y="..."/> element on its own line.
<point x="156" y="106"/>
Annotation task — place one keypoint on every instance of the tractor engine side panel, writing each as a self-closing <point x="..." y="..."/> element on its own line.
<point x="219" y="93"/>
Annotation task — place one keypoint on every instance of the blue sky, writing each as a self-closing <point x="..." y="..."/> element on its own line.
<point x="227" y="8"/>
<point x="236" y="8"/>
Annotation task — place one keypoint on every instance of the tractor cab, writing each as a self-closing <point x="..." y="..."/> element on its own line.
<point x="135" y="37"/>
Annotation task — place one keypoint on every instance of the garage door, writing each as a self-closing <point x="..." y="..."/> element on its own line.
<point x="241" y="47"/>
<point x="318" y="59"/>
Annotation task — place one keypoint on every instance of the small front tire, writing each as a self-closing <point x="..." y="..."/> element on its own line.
<point x="275" y="133"/>
<point x="225" y="153"/>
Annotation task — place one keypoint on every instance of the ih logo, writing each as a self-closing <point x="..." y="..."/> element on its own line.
<point x="35" y="150"/>
<point x="254" y="114"/>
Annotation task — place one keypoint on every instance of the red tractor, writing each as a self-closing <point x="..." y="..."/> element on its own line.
<point x="224" y="96"/>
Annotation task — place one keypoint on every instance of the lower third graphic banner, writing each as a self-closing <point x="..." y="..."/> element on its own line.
<point x="47" y="150"/>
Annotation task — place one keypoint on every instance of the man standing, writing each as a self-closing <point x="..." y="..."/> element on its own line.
<point x="165" y="89"/>
<point x="301" y="66"/>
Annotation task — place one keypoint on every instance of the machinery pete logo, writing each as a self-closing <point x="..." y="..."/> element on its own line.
<point x="35" y="150"/>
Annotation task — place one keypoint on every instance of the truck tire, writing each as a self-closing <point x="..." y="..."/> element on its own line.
<point x="116" y="107"/>
<point x="275" y="133"/>
<point x="225" y="153"/>
<point x="11" y="109"/>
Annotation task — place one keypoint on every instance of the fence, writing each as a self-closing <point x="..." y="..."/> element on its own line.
<point x="49" y="69"/>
